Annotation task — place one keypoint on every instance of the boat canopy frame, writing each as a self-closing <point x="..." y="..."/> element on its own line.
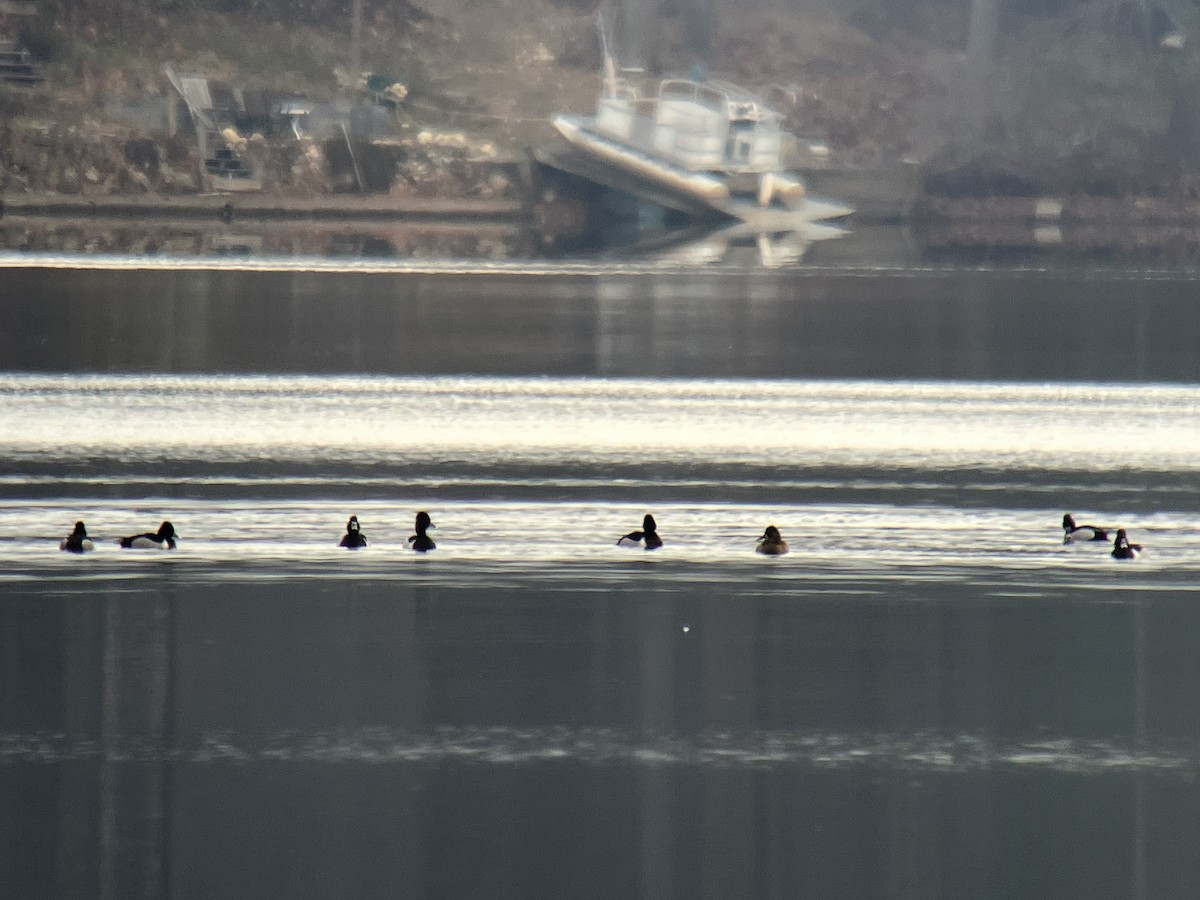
<point x="701" y="126"/>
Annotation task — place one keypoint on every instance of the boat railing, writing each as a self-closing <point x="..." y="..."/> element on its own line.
<point x="675" y="89"/>
<point x="754" y="146"/>
<point x="741" y="104"/>
<point x="693" y="125"/>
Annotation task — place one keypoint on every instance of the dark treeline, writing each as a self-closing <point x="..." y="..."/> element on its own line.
<point x="899" y="12"/>
<point x="697" y="19"/>
<point x="639" y="24"/>
<point x="114" y="18"/>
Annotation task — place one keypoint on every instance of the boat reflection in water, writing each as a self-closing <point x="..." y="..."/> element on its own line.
<point x="744" y="244"/>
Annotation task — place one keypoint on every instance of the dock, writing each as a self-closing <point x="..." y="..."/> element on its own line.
<point x="259" y="207"/>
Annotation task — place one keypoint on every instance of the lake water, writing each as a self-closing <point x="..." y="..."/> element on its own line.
<point x="931" y="696"/>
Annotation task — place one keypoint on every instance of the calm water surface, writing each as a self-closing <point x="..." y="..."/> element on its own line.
<point x="930" y="697"/>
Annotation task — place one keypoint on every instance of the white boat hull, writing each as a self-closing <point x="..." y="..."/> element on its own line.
<point x="705" y="187"/>
<point x="701" y="186"/>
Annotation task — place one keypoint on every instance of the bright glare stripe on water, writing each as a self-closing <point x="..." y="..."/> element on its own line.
<point x="408" y="266"/>
<point x="544" y="421"/>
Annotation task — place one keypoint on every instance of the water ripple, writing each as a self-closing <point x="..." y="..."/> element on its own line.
<point x="513" y="746"/>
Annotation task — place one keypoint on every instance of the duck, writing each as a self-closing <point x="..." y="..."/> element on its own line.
<point x="422" y="542"/>
<point x="77" y="541"/>
<point x="1122" y="549"/>
<point x="772" y="542"/>
<point x="647" y="537"/>
<point x="353" y="538"/>
<point x="1073" y="532"/>
<point x="163" y="539"/>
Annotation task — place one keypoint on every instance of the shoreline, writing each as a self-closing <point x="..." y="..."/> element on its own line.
<point x="873" y="194"/>
<point x="1166" y="227"/>
<point x="226" y="207"/>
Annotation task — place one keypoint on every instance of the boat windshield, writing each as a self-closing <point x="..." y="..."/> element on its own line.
<point x="691" y="90"/>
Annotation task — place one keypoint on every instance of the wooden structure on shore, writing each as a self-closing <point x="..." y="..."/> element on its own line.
<point x="17" y="65"/>
<point x="258" y="207"/>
